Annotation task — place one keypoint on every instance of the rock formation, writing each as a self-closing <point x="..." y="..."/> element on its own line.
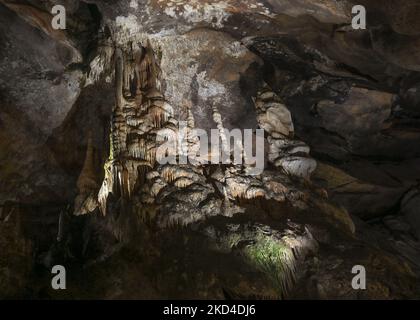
<point x="86" y="111"/>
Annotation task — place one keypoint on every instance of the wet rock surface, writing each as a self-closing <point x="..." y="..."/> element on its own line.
<point x="85" y="110"/>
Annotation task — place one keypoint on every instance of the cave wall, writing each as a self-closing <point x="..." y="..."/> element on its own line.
<point x="339" y="108"/>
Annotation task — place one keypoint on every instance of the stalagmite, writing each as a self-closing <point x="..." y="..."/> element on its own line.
<point x="136" y="122"/>
<point x="285" y="152"/>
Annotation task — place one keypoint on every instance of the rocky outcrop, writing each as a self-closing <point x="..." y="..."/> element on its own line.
<point x="290" y="155"/>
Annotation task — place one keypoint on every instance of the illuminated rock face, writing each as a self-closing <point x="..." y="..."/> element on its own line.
<point x="291" y="155"/>
<point x="86" y="200"/>
<point x="80" y="133"/>
<point x="140" y="112"/>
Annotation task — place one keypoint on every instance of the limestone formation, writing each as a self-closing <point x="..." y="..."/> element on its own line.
<point x="140" y="113"/>
<point x="285" y="152"/>
<point x="94" y="175"/>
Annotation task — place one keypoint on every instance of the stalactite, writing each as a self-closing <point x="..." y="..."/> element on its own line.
<point x="142" y="171"/>
<point x="159" y="116"/>
<point x="183" y="182"/>
<point x="255" y="192"/>
<point x="137" y="117"/>
<point x="172" y="173"/>
<point x="107" y="187"/>
<point x="86" y="183"/>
